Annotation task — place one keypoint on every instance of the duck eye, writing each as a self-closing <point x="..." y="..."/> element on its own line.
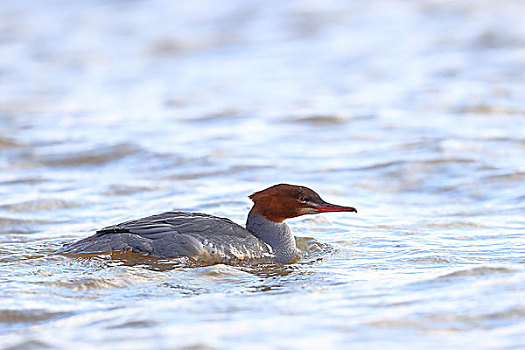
<point x="302" y="199"/>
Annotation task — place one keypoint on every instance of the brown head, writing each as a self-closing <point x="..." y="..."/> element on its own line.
<point x="283" y="201"/>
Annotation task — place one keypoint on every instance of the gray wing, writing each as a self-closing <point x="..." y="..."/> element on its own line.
<point x="176" y="234"/>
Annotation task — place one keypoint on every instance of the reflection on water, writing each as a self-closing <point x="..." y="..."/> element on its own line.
<point x="413" y="112"/>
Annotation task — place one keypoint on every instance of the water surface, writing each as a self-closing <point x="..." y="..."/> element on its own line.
<point x="413" y="112"/>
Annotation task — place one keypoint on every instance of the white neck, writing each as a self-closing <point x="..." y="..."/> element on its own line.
<point x="276" y="234"/>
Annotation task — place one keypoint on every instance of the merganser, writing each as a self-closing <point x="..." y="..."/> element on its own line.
<point x="209" y="238"/>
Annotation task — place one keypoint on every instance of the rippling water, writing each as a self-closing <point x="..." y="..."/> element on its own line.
<point x="413" y="112"/>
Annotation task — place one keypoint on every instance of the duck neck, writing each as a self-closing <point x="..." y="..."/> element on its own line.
<point x="276" y="234"/>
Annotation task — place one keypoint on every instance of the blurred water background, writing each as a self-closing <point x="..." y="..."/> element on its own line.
<point x="411" y="111"/>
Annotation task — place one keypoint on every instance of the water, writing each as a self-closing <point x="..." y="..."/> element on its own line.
<point x="413" y="112"/>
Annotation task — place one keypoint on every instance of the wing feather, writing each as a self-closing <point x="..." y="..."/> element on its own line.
<point x="176" y="234"/>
